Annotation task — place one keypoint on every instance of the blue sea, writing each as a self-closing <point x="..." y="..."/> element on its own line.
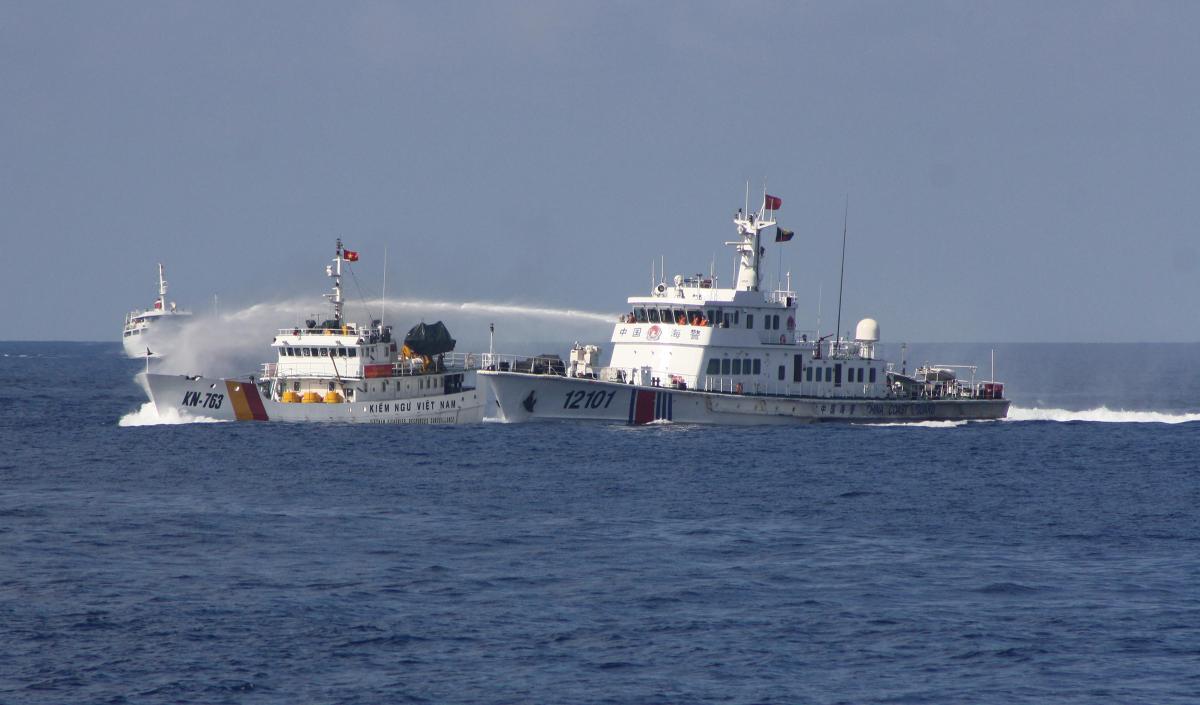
<point x="1051" y="558"/>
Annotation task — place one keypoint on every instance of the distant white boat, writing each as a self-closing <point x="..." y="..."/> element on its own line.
<point x="145" y="330"/>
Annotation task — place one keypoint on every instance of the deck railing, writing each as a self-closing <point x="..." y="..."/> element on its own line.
<point x="723" y="384"/>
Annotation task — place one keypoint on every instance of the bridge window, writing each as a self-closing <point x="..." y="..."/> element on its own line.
<point x="776" y="319"/>
<point x="837" y="374"/>
<point x="640" y="312"/>
<point x="872" y="375"/>
<point x="797" y="368"/>
<point x="737" y="366"/>
<point x="664" y="315"/>
<point x="652" y="314"/>
<point x="714" y="367"/>
<point x="725" y="366"/>
<point x="808" y="374"/>
<point x="353" y="352"/>
<point x="828" y="374"/>
<point x="749" y="320"/>
<point x="757" y="366"/>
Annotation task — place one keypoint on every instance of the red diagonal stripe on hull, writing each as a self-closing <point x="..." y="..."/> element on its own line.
<point x="255" y="402"/>
<point x="644" y="413"/>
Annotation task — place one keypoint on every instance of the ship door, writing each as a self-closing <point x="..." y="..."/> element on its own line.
<point x="797" y="367"/>
<point x="837" y="375"/>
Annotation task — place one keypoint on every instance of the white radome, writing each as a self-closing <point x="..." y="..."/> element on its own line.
<point x="867" y="331"/>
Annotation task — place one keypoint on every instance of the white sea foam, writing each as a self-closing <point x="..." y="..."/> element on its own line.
<point x="923" y="424"/>
<point x="1100" y="415"/>
<point x="147" y="414"/>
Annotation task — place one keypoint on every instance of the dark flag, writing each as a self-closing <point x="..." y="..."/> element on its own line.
<point x="773" y="203"/>
<point x="782" y="235"/>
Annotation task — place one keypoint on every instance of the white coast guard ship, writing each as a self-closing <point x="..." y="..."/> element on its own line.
<point x="694" y="353"/>
<point x="145" y="330"/>
<point x="335" y="371"/>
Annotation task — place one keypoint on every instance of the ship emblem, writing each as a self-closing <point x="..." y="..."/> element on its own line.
<point x="653" y="333"/>
<point x="529" y="402"/>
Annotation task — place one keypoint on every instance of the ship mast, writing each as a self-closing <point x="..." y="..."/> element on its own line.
<point x="335" y="272"/>
<point x="749" y="248"/>
<point x="161" y="304"/>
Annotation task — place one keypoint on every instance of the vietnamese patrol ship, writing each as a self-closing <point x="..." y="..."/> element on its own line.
<point x="144" y="331"/>
<point x="691" y="352"/>
<point x="337" y="371"/>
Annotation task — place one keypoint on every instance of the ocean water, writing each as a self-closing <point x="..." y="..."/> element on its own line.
<point x="1054" y="557"/>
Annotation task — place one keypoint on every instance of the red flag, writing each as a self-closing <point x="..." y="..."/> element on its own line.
<point x="350" y="255"/>
<point x="773" y="203"/>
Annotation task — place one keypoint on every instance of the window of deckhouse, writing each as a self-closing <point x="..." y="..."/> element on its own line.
<point x="652" y="314"/>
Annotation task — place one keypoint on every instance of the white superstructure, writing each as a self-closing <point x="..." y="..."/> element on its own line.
<point x="335" y="371"/>
<point x="144" y="330"/>
<point x="691" y="351"/>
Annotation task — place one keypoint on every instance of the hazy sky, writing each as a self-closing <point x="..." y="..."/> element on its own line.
<point x="1015" y="171"/>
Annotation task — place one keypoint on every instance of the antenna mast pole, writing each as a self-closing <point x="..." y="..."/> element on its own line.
<point x="383" y="307"/>
<point x="837" y="332"/>
<point x="335" y="271"/>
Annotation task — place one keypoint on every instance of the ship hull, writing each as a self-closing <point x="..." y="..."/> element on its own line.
<point x="239" y="400"/>
<point x="527" y="397"/>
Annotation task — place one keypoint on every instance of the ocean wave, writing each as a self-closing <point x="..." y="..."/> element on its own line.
<point x="147" y="415"/>
<point x="922" y="424"/>
<point x="1100" y="414"/>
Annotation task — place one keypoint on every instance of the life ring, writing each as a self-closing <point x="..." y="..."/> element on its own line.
<point x="782" y="339"/>
<point x="791" y="323"/>
<point x="737" y="388"/>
